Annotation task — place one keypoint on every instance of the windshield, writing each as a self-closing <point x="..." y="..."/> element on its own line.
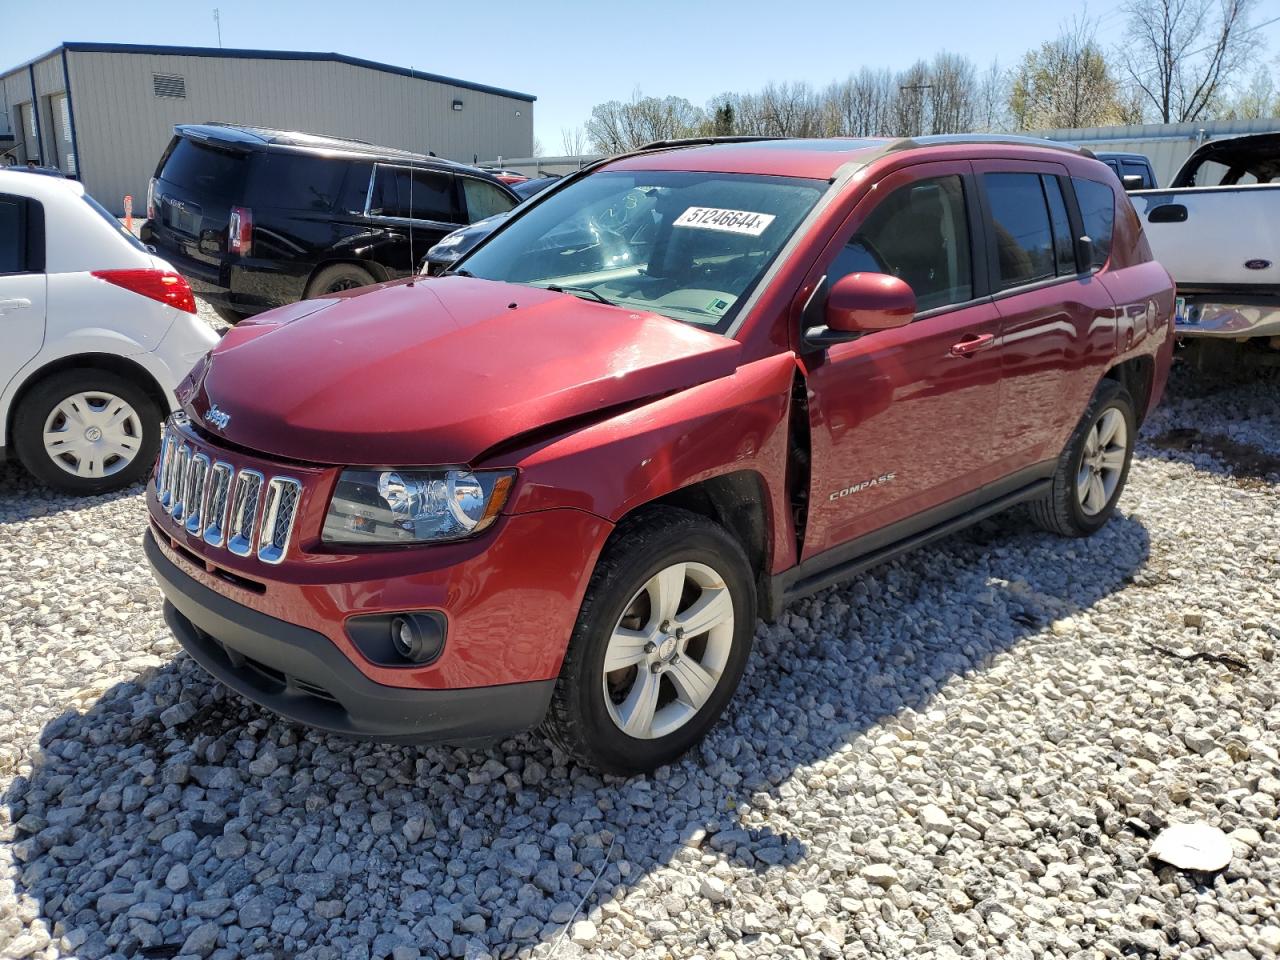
<point x="690" y="246"/>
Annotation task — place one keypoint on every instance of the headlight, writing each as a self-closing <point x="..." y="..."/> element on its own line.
<point x="414" y="506"/>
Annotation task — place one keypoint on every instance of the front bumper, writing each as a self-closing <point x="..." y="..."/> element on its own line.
<point x="301" y="674"/>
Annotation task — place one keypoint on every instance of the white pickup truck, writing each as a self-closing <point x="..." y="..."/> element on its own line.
<point x="1216" y="229"/>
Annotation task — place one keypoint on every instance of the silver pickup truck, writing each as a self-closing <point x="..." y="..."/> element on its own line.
<point x="1216" y="229"/>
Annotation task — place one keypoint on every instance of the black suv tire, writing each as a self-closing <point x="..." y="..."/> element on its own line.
<point x="580" y="718"/>
<point x="338" y="277"/>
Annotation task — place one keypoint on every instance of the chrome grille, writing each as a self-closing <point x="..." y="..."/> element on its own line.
<point x="178" y="482"/>
<point x="197" y="474"/>
<point x="164" y="483"/>
<point x="215" y="511"/>
<point x="244" y="512"/>
<point x="277" y="518"/>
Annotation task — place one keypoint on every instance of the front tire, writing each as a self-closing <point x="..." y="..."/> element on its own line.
<point x="1093" y="468"/>
<point x="87" y="431"/>
<point x="661" y="642"/>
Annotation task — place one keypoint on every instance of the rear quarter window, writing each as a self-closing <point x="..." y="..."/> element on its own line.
<point x="1098" y="211"/>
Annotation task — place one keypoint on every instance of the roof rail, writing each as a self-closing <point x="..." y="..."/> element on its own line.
<point x="995" y="139"/>
<point x="702" y="142"/>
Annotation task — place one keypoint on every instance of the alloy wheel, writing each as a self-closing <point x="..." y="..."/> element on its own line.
<point x="1102" y="461"/>
<point x="668" y="651"/>
<point x="93" y="434"/>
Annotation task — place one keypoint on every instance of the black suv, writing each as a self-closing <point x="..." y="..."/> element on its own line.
<point x="256" y="218"/>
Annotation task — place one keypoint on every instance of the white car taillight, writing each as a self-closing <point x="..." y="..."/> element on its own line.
<point x="166" y="287"/>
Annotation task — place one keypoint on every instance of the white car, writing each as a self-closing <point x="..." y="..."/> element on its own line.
<point x="96" y="332"/>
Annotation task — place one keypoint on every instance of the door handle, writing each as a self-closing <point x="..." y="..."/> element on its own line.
<point x="16" y="303"/>
<point x="973" y="343"/>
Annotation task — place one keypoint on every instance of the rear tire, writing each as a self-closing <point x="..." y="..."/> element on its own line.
<point x="336" y="278"/>
<point x="110" y="431"/>
<point x="667" y="686"/>
<point x="1093" y="467"/>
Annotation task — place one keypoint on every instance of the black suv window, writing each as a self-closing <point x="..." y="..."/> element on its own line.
<point x="1023" y="235"/>
<point x="205" y="171"/>
<point x="414" y="195"/>
<point x="920" y="234"/>
<point x="21" y="246"/>
<point x="484" y="199"/>
<point x="1098" y="210"/>
<point x="295" y="181"/>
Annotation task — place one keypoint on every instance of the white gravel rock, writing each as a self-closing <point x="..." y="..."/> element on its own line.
<point x="967" y="752"/>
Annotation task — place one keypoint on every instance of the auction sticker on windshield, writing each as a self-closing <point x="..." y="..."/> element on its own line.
<point x="729" y="221"/>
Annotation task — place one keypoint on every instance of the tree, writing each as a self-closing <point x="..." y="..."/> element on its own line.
<point x="722" y="121"/>
<point x="616" y="127"/>
<point x="1182" y="53"/>
<point x="573" y="141"/>
<point x="991" y="111"/>
<point x="952" y="93"/>
<point x="1064" y="82"/>
<point x="1256" y="100"/>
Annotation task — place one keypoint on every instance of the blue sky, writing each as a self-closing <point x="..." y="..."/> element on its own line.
<point x="572" y="55"/>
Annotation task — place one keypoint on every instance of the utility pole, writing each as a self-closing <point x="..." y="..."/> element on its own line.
<point x="217" y="22"/>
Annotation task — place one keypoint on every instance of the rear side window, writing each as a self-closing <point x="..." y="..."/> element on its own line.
<point x="484" y="199"/>
<point x="1098" y="211"/>
<point x="13" y="234"/>
<point x="1023" y="234"/>
<point x="413" y="195"/>
<point x="206" y="172"/>
<point x="21" y="235"/>
<point x="1063" y="243"/>
<point x="294" y="181"/>
<point x="1133" y="169"/>
<point x="919" y="233"/>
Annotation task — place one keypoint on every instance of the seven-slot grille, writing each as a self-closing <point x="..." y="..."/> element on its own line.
<point x="241" y="510"/>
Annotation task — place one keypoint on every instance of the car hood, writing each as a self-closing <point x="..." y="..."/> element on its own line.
<point x="437" y="372"/>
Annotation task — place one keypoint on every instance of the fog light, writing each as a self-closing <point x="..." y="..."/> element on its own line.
<point x="417" y="639"/>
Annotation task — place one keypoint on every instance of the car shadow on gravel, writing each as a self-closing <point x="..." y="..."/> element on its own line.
<point x="171" y="817"/>
<point x="22" y="497"/>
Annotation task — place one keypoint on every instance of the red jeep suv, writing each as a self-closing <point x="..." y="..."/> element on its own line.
<point x="558" y="484"/>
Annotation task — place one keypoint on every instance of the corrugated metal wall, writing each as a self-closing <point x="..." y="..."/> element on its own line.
<point x="1166" y="144"/>
<point x="15" y="89"/>
<point x="122" y="127"/>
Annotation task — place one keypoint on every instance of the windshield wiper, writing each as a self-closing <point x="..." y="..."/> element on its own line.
<point x="460" y="272"/>
<point x="556" y="288"/>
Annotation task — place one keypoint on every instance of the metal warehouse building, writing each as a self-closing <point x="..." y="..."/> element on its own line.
<point x="105" y="111"/>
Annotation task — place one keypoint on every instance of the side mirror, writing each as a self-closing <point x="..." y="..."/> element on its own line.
<point x="864" y="302"/>
<point x="1132" y="181"/>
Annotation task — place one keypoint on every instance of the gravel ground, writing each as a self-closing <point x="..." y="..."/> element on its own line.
<point x="964" y="753"/>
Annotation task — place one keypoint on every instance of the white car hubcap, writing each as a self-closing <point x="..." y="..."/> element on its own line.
<point x="93" y="434"/>
<point x="668" y="651"/>
<point x="1102" y="463"/>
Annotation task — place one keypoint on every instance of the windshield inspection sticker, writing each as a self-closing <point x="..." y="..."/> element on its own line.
<point x="729" y="221"/>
